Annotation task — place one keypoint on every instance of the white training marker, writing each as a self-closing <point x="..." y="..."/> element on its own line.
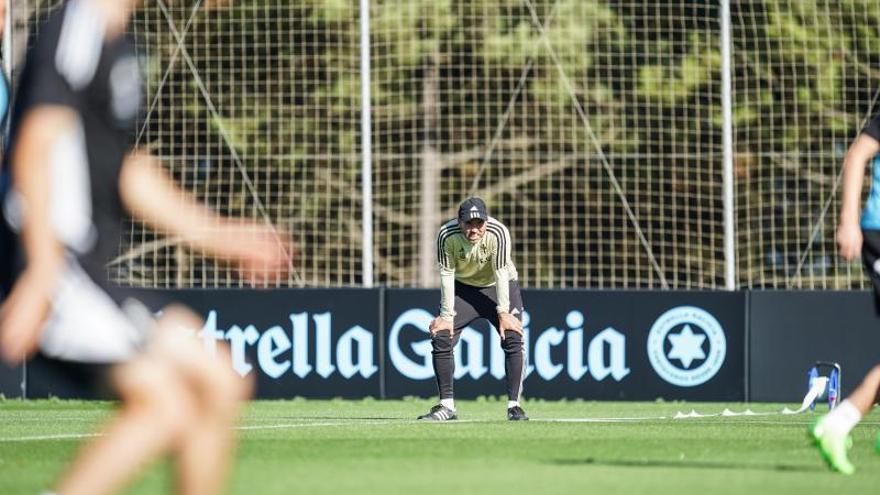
<point x="814" y="393"/>
<point x="693" y="414"/>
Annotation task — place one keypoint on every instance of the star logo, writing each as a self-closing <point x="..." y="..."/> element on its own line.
<point x="687" y="346"/>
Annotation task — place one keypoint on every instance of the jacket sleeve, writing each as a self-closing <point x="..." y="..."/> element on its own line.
<point x="446" y="263"/>
<point x="501" y="265"/>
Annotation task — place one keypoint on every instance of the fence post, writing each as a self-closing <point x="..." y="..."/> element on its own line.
<point x="727" y="108"/>
<point x="366" y="149"/>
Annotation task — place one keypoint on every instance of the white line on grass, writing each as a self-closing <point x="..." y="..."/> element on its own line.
<point x="305" y="425"/>
<point x="77" y="436"/>
<point x="61" y="436"/>
<point x="740" y="420"/>
<point x="598" y="420"/>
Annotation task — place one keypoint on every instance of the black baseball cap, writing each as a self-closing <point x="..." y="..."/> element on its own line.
<point x="472" y="208"/>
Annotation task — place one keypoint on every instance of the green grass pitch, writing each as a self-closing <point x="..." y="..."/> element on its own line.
<point x="370" y="446"/>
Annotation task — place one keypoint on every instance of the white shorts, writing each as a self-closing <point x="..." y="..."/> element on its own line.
<point x="86" y="325"/>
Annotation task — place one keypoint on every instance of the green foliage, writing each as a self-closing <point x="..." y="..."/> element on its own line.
<point x="545" y="81"/>
<point x="411" y="29"/>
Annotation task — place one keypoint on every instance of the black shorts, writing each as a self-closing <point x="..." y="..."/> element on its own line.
<point x="472" y="303"/>
<point x="871" y="260"/>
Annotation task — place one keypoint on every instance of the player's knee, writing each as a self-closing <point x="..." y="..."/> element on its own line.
<point x="240" y="388"/>
<point x="227" y="393"/>
<point x="441" y="342"/>
<point x="154" y="393"/>
<point x="211" y="380"/>
<point x="513" y="342"/>
<point x="219" y="388"/>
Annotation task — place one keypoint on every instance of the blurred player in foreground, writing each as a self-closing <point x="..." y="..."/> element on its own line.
<point x="71" y="174"/>
<point x="477" y="280"/>
<point x="831" y="432"/>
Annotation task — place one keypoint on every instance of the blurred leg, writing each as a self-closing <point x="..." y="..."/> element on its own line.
<point x="155" y="411"/>
<point x="865" y="395"/>
<point x="203" y="457"/>
<point x="831" y="432"/>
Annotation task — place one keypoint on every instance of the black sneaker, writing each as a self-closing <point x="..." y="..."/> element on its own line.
<point x="516" y="413"/>
<point x="439" y="413"/>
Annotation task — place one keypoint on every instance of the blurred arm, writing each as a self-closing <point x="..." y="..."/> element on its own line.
<point x="152" y="196"/>
<point x="849" y="235"/>
<point x="863" y="149"/>
<point x="30" y="166"/>
<point x="23" y="312"/>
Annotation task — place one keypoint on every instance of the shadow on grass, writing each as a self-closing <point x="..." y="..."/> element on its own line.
<point x="684" y="464"/>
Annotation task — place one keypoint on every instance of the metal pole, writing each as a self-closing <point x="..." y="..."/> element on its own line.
<point x="727" y="106"/>
<point x="366" y="148"/>
<point x="8" y="29"/>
